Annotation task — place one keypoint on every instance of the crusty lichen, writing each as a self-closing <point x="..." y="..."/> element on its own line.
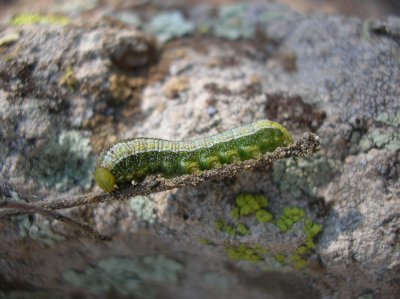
<point x="66" y="162"/>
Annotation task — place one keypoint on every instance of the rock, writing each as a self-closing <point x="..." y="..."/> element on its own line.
<point x="330" y="228"/>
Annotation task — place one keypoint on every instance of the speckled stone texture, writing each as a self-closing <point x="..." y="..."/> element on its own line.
<point x="99" y="82"/>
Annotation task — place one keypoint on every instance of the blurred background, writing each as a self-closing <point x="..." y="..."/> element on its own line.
<point x="360" y="8"/>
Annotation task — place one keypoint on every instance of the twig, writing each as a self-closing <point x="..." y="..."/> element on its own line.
<point x="31" y="209"/>
<point x="307" y="145"/>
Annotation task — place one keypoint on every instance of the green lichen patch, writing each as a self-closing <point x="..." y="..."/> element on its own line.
<point x="289" y="217"/>
<point x="224" y="226"/>
<point x="126" y="275"/>
<point x="243" y="252"/>
<point x="204" y="241"/>
<point x="247" y="204"/>
<point x="242" y="229"/>
<point x="311" y="230"/>
<point x="264" y="216"/>
<point x="69" y="79"/>
<point x="66" y="162"/>
<point x="33" y="18"/>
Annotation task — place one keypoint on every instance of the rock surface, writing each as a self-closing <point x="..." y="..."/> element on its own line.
<point x="68" y="90"/>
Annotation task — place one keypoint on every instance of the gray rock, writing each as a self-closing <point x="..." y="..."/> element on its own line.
<point x="332" y="75"/>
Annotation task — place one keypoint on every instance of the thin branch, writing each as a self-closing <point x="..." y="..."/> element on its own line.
<point x="31" y="209"/>
<point x="307" y="145"/>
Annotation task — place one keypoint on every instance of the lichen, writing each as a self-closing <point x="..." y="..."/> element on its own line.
<point x="247" y="204"/>
<point x="66" y="162"/>
<point x="144" y="209"/>
<point x="289" y="217"/>
<point x="69" y="79"/>
<point x="303" y="176"/>
<point x="390" y="119"/>
<point x="224" y="226"/>
<point x="167" y="26"/>
<point x="389" y="140"/>
<point x="126" y="275"/>
<point x="264" y="216"/>
<point x="250" y="205"/>
<point x="29" y="227"/>
<point x="244" y="252"/>
<point x="232" y="22"/>
<point x="33" y="18"/>
<point x="242" y="229"/>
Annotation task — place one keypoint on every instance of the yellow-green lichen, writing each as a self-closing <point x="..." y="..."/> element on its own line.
<point x="264" y="216"/>
<point x="242" y="229"/>
<point x="280" y="258"/>
<point x="69" y="79"/>
<point x="204" y="241"/>
<point x="33" y="18"/>
<point x="311" y="230"/>
<point x="224" y="226"/>
<point x="246" y="253"/>
<point x="289" y="217"/>
<point x="247" y="204"/>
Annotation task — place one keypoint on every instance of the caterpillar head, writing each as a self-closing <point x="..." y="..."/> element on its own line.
<point x="105" y="179"/>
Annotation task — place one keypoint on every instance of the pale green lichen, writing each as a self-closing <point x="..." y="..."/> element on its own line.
<point x="390" y="119"/>
<point x="232" y="22"/>
<point x="303" y="176"/>
<point x="29" y="227"/>
<point x="34" y="18"/>
<point x="144" y="209"/>
<point x="126" y="275"/>
<point x="66" y="162"/>
<point x="377" y="139"/>
<point x="167" y="26"/>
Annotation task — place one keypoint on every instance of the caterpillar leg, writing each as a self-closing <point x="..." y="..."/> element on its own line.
<point x="250" y="152"/>
<point x="190" y="167"/>
<point x="230" y="156"/>
<point x="210" y="162"/>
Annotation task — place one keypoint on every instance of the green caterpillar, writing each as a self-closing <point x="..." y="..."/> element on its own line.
<point x="135" y="158"/>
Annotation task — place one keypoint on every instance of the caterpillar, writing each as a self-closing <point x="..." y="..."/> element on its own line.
<point x="135" y="158"/>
